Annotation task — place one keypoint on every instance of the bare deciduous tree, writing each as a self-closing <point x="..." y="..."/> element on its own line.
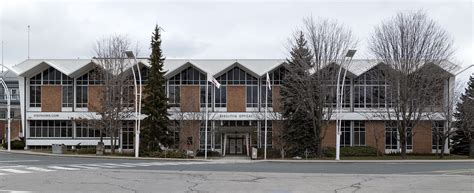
<point x="116" y="86"/>
<point x="310" y="84"/>
<point x="413" y="47"/>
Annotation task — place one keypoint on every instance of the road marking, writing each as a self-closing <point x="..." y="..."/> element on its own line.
<point x="99" y="165"/>
<point x="62" y="168"/>
<point x="83" y="167"/>
<point x="118" y="165"/>
<point x="39" y="169"/>
<point x="15" y="161"/>
<point x="139" y="164"/>
<point x="15" y="171"/>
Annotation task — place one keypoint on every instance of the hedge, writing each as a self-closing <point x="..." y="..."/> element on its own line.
<point x="15" y="144"/>
<point x="351" y="151"/>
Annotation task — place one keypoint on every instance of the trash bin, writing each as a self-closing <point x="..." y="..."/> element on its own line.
<point x="254" y="153"/>
<point x="59" y="148"/>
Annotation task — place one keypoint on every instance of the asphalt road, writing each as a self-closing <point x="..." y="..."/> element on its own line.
<point x="34" y="173"/>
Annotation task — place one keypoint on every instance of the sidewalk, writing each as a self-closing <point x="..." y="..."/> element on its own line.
<point x="242" y="158"/>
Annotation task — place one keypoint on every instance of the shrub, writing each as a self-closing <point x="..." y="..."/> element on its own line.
<point x="358" y="151"/>
<point x="351" y="151"/>
<point x="88" y="150"/>
<point x="168" y="154"/>
<point x="271" y="153"/>
<point x="209" y="153"/>
<point x="15" y="144"/>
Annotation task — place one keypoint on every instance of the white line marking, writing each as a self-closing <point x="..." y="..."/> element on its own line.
<point x="15" y="171"/>
<point x="39" y="169"/>
<point x="82" y="167"/>
<point x="138" y="164"/>
<point x="118" y="165"/>
<point x="99" y="165"/>
<point x="62" y="168"/>
<point x="14" y="161"/>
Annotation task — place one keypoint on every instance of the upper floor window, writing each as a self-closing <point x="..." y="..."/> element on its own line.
<point x="237" y="76"/>
<point x="276" y="76"/>
<point x="371" y="90"/>
<point x="50" y="76"/>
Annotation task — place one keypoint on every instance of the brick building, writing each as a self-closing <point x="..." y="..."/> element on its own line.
<point x="11" y="80"/>
<point x="54" y="93"/>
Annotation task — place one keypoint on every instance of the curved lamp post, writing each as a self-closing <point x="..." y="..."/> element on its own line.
<point x="340" y="97"/>
<point x="7" y="93"/>
<point x="138" y="100"/>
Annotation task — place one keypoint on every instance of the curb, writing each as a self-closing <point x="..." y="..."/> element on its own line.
<point x="254" y="161"/>
<point x="99" y="157"/>
<point x="376" y="161"/>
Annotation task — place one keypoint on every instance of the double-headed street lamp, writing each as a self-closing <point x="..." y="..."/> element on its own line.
<point x="138" y="99"/>
<point x="340" y="96"/>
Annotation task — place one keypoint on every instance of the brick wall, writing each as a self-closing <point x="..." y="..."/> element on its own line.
<point x="236" y="99"/>
<point x="422" y="136"/>
<point x="15" y="125"/>
<point x="276" y="99"/>
<point x="51" y="98"/>
<point x="94" y="93"/>
<point x="277" y="129"/>
<point x="189" y="129"/>
<point x="375" y="135"/>
<point x="189" y="98"/>
<point x="330" y="135"/>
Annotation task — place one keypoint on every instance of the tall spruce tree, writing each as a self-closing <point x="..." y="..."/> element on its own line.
<point x="155" y="129"/>
<point x="465" y="123"/>
<point x="298" y="133"/>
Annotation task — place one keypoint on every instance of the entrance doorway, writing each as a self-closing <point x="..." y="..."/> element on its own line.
<point x="236" y="145"/>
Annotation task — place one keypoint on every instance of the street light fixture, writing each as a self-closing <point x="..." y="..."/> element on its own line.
<point x="138" y="99"/>
<point x="7" y="92"/>
<point x="340" y="96"/>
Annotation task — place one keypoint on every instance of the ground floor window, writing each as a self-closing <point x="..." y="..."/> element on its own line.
<point x="269" y="134"/>
<point x="437" y="136"/>
<point x="128" y="135"/>
<point x="392" y="139"/>
<point x="352" y="133"/>
<point x="50" y="128"/>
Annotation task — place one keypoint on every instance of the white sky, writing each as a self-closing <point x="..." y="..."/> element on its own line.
<point x="206" y="29"/>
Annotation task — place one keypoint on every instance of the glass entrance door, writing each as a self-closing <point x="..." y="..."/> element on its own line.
<point x="236" y="145"/>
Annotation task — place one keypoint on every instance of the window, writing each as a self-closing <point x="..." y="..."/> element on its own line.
<point x="50" y="129"/>
<point x="86" y="130"/>
<point x="189" y="76"/>
<point x="359" y="133"/>
<point x="370" y="90"/>
<point x="67" y="100"/>
<point x="81" y="96"/>
<point x="221" y="96"/>
<point x="203" y="96"/>
<point x="346" y="133"/>
<point x="35" y="91"/>
<point x="252" y="96"/>
<point x="269" y="134"/>
<point x="330" y="87"/>
<point x="352" y="133"/>
<point x="438" y="131"/>
<point x="269" y="97"/>
<point x="174" y="95"/>
<point x="392" y="139"/>
<point x="276" y="76"/>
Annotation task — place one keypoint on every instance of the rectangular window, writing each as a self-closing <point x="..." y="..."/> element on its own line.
<point x="269" y="98"/>
<point x="359" y="133"/>
<point x="203" y="96"/>
<point x="86" y="130"/>
<point x="50" y="129"/>
<point x="252" y="96"/>
<point x="174" y="95"/>
<point x="437" y="136"/>
<point x="392" y="138"/>
<point x="346" y="133"/>
<point x="35" y="96"/>
<point x="221" y="96"/>
<point x="67" y="100"/>
<point x="81" y="96"/>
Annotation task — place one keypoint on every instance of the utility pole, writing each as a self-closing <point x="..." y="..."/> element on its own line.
<point x="28" y="42"/>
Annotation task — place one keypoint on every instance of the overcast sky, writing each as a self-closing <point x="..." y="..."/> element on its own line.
<point x="206" y="29"/>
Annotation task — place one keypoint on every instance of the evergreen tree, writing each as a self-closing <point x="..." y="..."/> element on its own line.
<point x="298" y="133"/>
<point x="155" y="129"/>
<point x="465" y="120"/>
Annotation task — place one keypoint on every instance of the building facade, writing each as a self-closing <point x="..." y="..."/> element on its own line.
<point x="11" y="80"/>
<point x="54" y="94"/>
